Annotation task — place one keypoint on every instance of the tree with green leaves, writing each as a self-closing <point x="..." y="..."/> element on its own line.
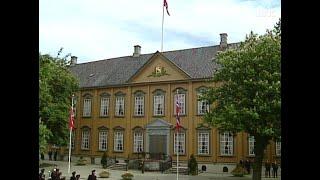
<point x="247" y="95"/>
<point x="56" y="86"/>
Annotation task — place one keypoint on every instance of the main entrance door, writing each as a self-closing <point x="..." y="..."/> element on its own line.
<point x="158" y="144"/>
<point x="158" y="137"/>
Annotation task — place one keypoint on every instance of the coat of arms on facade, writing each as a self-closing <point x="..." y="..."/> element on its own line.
<point x="158" y="71"/>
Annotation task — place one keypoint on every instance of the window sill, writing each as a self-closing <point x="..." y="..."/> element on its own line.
<point x="228" y="156"/>
<point x="119" y="116"/>
<point x="204" y="155"/>
<point x="180" y="154"/>
<point x="158" y="116"/>
<point x="181" y="115"/>
<point x="200" y="114"/>
<point x="138" y="116"/>
<point x="137" y="152"/>
<point x="117" y="151"/>
<point x="251" y="156"/>
<point x="85" y="149"/>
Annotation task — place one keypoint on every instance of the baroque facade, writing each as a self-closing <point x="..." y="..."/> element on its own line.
<point x="126" y="106"/>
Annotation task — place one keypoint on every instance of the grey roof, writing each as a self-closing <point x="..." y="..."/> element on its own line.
<point x="196" y="62"/>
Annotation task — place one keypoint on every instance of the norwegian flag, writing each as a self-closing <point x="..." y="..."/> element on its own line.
<point x="178" y="109"/>
<point x="71" y="119"/>
<point x="165" y="4"/>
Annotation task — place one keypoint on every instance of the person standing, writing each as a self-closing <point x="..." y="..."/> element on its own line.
<point x="55" y="155"/>
<point x="267" y="168"/>
<point x="275" y="169"/>
<point x="73" y="177"/>
<point x="50" y="155"/>
<point x="42" y="175"/>
<point x="247" y="165"/>
<point x="77" y="176"/>
<point x="92" y="176"/>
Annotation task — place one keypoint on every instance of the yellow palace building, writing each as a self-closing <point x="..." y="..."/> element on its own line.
<point x="126" y="106"/>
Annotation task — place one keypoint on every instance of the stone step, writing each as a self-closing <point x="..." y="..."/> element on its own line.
<point x="118" y="166"/>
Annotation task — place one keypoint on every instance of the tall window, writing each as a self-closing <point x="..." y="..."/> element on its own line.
<point x="251" y="143"/>
<point x="72" y="139"/>
<point x="158" y="105"/>
<point x="75" y="100"/>
<point x="203" y="106"/>
<point x="104" y="106"/>
<point x="182" y="102"/>
<point x="179" y="143"/>
<point x="103" y="140"/>
<point x="87" y="107"/>
<point x="137" y="141"/>
<point x="226" y="143"/>
<point x="278" y="148"/>
<point x="138" y="105"/>
<point x="118" y="141"/>
<point x="120" y="106"/>
<point x="203" y="143"/>
<point x="85" y="139"/>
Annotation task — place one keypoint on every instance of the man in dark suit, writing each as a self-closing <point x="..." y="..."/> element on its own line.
<point x="92" y="176"/>
<point x="73" y="177"/>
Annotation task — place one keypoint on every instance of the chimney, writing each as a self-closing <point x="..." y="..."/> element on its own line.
<point x="137" y="51"/>
<point x="223" y="40"/>
<point x="73" y="60"/>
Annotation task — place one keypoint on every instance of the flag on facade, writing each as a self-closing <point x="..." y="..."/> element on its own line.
<point x="178" y="109"/>
<point x="165" y="4"/>
<point x="71" y="119"/>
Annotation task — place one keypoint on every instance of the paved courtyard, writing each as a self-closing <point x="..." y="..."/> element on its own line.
<point x="84" y="171"/>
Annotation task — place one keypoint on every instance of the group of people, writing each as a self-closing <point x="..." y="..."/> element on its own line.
<point x="268" y="166"/>
<point x="246" y="164"/>
<point x="55" y="154"/>
<point x="56" y="175"/>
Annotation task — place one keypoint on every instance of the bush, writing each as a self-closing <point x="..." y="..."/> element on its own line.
<point x="104" y="160"/>
<point x="239" y="171"/>
<point x="104" y="174"/>
<point x="81" y="161"/>
<point x="127" y="176"/>
<point x="193" y="165"/>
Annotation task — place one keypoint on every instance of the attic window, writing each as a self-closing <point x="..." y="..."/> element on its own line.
<point x="91" y="75"/>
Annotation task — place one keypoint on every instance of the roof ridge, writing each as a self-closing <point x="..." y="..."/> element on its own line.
<point x="117" y="58"/>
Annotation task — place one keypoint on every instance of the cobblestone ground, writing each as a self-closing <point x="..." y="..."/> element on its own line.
<point x="84" y="171"/>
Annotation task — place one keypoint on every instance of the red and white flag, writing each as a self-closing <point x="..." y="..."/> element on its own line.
<point x="165" y="4"/>
<point x="178" y="109"/>
<point x="71" y="119"/>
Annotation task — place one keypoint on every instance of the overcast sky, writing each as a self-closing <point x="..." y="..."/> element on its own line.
<point x="101" y="29"/>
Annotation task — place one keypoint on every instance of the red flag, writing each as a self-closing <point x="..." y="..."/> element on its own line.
<point x="178" y="108"/>
<point x="71" y="119"/>
<point x="165" y="4"/>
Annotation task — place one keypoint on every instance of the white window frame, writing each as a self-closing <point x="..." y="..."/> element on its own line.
<point x="137" y="141"/>
<point x="103" y="140"/>
<point x="203" y="106"/>
<point x="278" y="148"/>
<point x="139" y="105"/>
<point x="251" y="145"/>
<point x="119" y="103"/>
<point x="226" y="144"/>
<point x="158" y="101"/>
<point x="87" y="103"/>
<point x="104" y="106"/>
<point x="203" y="143"/>
<point x="181" y="146"/>
<point x="85" y="139"/>
<point x="118" y="141"/>
<point x="182" y="102"/>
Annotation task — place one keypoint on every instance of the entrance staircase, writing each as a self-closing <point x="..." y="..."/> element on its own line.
<point x="119" y="166"/>
<point x="183" y="168"/>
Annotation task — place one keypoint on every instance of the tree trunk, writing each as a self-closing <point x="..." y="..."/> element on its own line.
<point x="261" y="144"/>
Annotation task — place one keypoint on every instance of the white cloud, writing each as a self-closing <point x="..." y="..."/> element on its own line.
<point x="100" y="29"/>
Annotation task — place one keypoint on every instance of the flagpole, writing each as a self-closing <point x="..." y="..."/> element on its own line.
<point x="177" y="143"/>
<point x="162" y="27"/>
<point x="70" y="136"/>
